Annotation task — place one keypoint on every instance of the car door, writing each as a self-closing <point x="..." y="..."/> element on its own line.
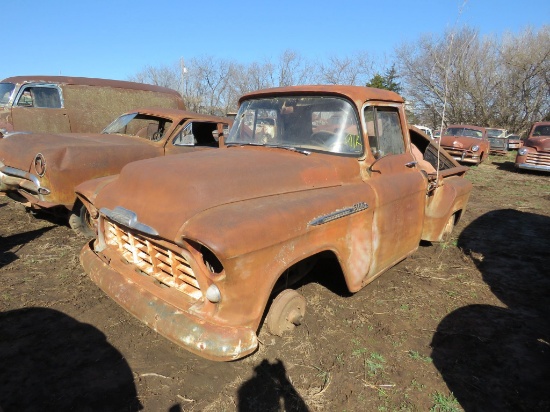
<point x="39" y="108"/>
<point x="400" y="188"/>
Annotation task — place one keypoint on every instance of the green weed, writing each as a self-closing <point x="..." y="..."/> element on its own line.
<point x="444" y="403"/>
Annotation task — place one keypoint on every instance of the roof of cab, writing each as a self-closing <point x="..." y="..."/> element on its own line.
<point x="358" y="94"/>
<point x="89" y="81"/>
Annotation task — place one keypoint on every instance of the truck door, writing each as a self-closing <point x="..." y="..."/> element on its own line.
<point x="399" y="186"/>
<point x="39" y="108"/>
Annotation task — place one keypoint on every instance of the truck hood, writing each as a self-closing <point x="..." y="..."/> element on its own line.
<point x="167" y="193"/>
<point x="19" y="150"/>
<point x="459" y="142"/>
<point x="541" y="143"/>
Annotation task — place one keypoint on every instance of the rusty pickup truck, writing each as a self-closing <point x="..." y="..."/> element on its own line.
<point x="535" y="153"/>
<point x="41" y="170"/>
<point x="200" y="246"/>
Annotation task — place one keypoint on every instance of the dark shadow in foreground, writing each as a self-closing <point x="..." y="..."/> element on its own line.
<point x="8" y="242"/>
<point x="269" y="390"/>
<point x="51" y="362"/>
<point x="498" y="358"/>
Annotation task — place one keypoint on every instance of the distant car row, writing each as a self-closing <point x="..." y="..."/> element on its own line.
<point x="472" y="144"/>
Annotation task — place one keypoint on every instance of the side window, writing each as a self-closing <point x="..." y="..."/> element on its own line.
<point x="40" y="96"/>
<point x="384" y="131"/>
<point x="197" y="133"/>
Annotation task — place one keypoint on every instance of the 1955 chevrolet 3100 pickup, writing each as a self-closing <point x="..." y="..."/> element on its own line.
<point x="199" y="246"/>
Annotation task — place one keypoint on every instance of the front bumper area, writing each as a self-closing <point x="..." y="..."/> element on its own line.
<point x="25" y="183"/>
<point x="463" y="156"/>
<point x="197" y="335"/>
<point x="530" y="166"/>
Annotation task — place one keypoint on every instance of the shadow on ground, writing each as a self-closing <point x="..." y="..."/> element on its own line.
<point x="269" y="390"/>
<point x="51" y="362"/>
<point x="20" y="239"/>
<point x="498" y="358"/>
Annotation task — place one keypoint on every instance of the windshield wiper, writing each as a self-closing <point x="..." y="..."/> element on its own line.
<point x="291" y="148"/>
<point x="233" y="144"/>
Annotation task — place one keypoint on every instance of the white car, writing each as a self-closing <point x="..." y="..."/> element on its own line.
<point x="426" y="130"/>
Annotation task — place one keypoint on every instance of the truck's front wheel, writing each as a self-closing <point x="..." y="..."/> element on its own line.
<point x="286" y="312"/>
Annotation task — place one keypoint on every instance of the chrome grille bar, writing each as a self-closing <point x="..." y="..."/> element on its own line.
<point x="166" y="266"/>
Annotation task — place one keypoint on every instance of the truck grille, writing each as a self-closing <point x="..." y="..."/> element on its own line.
<point x="166" y="266"/>
<point x="538" y="159"/>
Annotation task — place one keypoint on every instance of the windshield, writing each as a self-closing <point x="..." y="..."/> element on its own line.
<point x="140" y="125"/>
<point x="326" y="124"/>
<point x="496" y="132"/>
<point x="463" y="131"/>
<point x="543" y="130"/>
<point x="6" y="89"/>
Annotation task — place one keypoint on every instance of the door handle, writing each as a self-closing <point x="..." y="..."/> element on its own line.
<point x="411" y="164"/>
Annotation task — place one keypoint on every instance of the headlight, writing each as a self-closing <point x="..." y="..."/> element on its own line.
<point x="523" y="151"/>
<point x="475" y="148"/>
<point x="40" y="164"/>
<point x="213" y="294"/>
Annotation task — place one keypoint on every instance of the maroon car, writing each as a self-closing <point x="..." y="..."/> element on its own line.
<point x="466" y="143"/>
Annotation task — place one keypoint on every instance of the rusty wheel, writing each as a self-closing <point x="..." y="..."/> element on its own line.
<point x="81" y="221"/>
<point x="286" y="312"/>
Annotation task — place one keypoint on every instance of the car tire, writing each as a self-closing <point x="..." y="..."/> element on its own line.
<point x="81" y="221"/>
<point x="286" y="312"/>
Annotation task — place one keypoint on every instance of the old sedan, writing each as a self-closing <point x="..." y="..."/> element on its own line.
<point x="535" y="153"/>
<point x="42" y="170"/>
<point x="466" y="143"/>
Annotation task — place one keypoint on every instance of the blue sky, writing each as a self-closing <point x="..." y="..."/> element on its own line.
<point x="118" y="38"/>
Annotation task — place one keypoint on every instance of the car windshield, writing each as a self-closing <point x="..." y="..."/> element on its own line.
<point x="6" y="89"/>
<point x="141" y="125"/>
<point x="325" y="124"/>
<point x="542" y="130"/>
<point x="496" y="132"/>
<point x="463" y="131"/>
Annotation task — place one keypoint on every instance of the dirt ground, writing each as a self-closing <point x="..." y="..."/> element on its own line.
<point x="459" y="326"/>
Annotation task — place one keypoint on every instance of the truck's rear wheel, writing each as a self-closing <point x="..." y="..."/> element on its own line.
<point x="81" y="221"/>
<point x="286" y="312"/>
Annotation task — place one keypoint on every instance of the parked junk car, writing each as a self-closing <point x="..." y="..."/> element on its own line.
<point x="514" y="141"/>
<point x="59" y="104"/>
<point x="42" y="170"/>
<point x="229" y="229"/>
<point x="535" y="153"/>
<point x="426" y="130"/>
<point x="466" y="143"/>
<point x="498" y="140"/>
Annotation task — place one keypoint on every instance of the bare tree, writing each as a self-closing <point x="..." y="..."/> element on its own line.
<point x="355" y="69"/>
<point x="484" y="81"/>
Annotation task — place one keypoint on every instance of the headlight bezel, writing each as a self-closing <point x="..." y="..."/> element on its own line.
<point x="475" y="148"/>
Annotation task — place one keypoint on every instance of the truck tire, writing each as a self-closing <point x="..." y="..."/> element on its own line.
<point x="286" y="312"/>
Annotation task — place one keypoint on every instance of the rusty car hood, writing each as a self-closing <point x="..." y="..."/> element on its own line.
<point x="204" y="180"/>
<point x="541" y="143"/>
<point x="19" y="150"/>
<point x="459" y="142"/>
